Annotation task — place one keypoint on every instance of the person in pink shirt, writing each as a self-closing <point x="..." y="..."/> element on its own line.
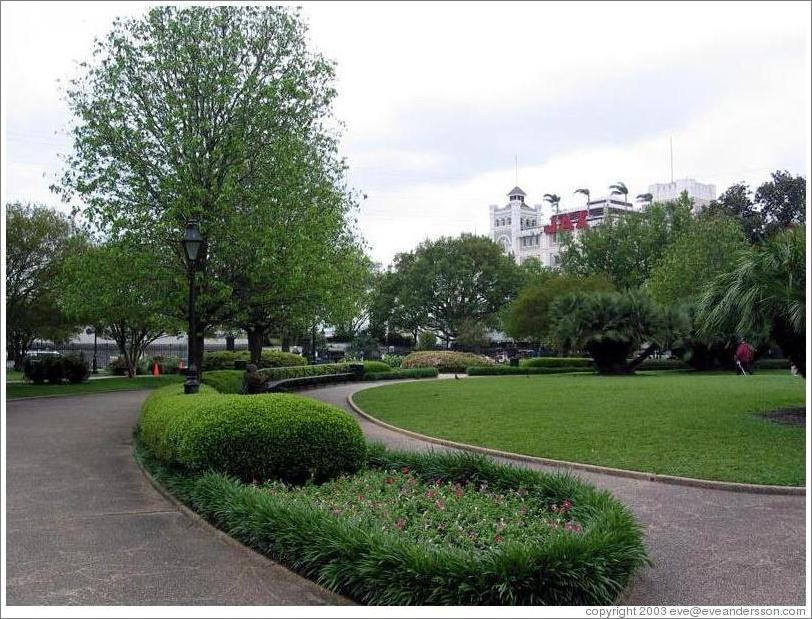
<point x="744" y="357"/>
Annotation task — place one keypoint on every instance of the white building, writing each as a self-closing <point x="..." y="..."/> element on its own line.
<point x="703" y="194"/>
<point x="522" y="231"/>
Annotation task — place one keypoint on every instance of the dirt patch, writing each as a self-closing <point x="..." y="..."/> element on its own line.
<point x="788" y="416"/>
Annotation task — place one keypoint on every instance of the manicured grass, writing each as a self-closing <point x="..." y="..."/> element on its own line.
<point x="13" y="375"/>
<point x="25" y="390"/>
<point x="674" y="423"/>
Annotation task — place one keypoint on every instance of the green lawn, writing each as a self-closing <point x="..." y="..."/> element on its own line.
<point x="25" y="390"/>
<point x="693" y="425"/>
<point x="12" y="375"/>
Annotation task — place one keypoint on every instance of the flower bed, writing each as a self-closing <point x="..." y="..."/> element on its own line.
<point x="445" y="361"/>
<point x="430" y="529"/>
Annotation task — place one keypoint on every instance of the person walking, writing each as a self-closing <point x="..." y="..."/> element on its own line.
<point x="744" y="357"/>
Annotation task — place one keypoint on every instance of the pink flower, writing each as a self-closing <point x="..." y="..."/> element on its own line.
<point x="498" y="539"/>
<point x="430" y="494"/>
<point x="439" y="505"/>
<point x="523" y="510"/>
<point x="405" y="470"/>
<point x="458" y="491"/>
<point x="566" y="506"/>
<point x="400" y="523"/>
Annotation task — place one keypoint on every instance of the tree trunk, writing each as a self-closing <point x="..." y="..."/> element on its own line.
<point x="285" y="341"/>
<point x="256" y="335"/>
<point x="635" y="363"/>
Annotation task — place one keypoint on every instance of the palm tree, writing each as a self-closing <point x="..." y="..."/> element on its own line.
<point x="644" y="197"/>
<point x="585" y="192"/>
<point x="763" y="295"/>
<point x="620" y="188"/>
<point x="554" y="200"/>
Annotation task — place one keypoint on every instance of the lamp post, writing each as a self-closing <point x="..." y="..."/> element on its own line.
<point x="194" y="249"/>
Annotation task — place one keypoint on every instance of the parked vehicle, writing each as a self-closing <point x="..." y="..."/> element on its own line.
<point x="41" y="354"/>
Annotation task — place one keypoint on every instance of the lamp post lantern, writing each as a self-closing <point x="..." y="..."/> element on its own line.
<point x="194" y="250"/>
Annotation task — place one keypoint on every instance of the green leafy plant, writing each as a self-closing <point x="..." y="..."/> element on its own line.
<point x="276" y="436"/>
<point x="401" y="374"/>
<point x="227" y="359"/>
<point x="556" y="362"/>
<point x="75" y="369"/>
<point x="445" y="360"/>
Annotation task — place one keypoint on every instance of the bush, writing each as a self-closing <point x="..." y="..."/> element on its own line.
<point x="400" y="374"/>
<point x="224" y="381"/>
<point x="446" y="361"/>
<point x="393" y="361"/>
<point x="376" y="367"/>
<point x="75" y="369"/>
<point x="34" y="370"/>
<point x="664" y="364"/>
<point x="504" y="370"/>
<point x="426" y="341"/>
<point x="556" y="362"/>
<point x="54" y="369"/>
<point x="365" y="558"/>
<point x="277" y="436"/>
<point x="229" y="359"/>
<point x="773" y="364"/>
<point x="118" y="367"/>
<point x="167" y="365"/>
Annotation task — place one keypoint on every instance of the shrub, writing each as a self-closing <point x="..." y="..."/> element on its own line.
<point x="556" y="362"/>
<point x="393" y="361"/>
<point x="167" y="365"/>
<point x="276" y="436"/>
<point x="504" y="370"/>
<point x="664" y="364"/>
<point x="426" y="341"/>
<point x="400" y="374"/>
<point x="224" y="381"/>
<point x="376" y="367"/>
<point x="445" y="361"/>
<point x="34" y="370"/>
<point x="75" y="369"/>
<point x="229" y="359"/>
<point x="333" y="542"/>
<point x="118" y="367"/>
<point x="773" y="364"/>
<point x="54" y="369"/>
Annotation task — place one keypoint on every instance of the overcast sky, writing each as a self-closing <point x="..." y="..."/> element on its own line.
<point x="439" y="99"/>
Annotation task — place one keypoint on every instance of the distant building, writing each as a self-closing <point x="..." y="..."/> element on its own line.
<point x="702" y="194"/>
<point x="522" y="232"/>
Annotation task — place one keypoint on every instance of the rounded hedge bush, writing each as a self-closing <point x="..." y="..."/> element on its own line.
<point x="277" y="436"/>
<point x="445" y="360"/>
<point x="376" y="367"/>
<point x="229" y="359"/>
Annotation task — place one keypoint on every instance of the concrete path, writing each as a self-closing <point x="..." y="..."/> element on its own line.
<point x="709" y="547"/>
<point x="84" y="526"/>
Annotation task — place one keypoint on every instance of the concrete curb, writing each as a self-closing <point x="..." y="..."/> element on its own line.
<point x="592" y="468"/>
<point x="222" y="535"/>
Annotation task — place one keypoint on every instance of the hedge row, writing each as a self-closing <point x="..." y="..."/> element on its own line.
<point x="664" y="364"/>
<point x="401" y="374"/>
<point x="277" y="436"/>
<point x="505" y="370"/>
<point x="446" y="361"/>
<point x="226" y="359"/>
<point x="55" y="369"/>
<point x="376" y="566"/>
<point x="773" y="364"/>
<point x="556" y="362"/>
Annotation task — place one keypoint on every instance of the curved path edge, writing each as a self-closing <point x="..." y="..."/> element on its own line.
<point x="594" y="468"/>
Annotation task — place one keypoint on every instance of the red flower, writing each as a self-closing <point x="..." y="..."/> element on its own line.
<point x="498" y="539"/>
<point x="405" y="470"/>
<point x="565" y="506"/>
<point x="458" y="491"/>
<point x="439" y="505"/>
<point x="400" y="523"/>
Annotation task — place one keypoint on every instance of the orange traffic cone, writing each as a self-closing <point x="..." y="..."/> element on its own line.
<point x="156" y="370"/>
<point x="181" y="365"/>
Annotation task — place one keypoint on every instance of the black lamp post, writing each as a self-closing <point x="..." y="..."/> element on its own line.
<point x="194" y="249"/>
<point x="94" y="331"/>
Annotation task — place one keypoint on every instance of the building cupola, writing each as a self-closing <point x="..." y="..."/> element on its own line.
<point x="516" y="194"/>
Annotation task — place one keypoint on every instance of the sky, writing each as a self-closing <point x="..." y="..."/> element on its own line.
<point x="439" y="101"/>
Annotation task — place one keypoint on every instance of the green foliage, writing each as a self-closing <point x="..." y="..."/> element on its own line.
<point x="27" y="390"/>
<point x="664" y="364"/>
<point x="76" y="370"/>
<point x="472" y="336"/>
<point x="446" y="282"/>
<point x="265" y="437"/>
<point x="167" y="365"/>
<point x="426" y="341"/>
<point x="34" y="370"/>
<point x="393" y="361"/>
<point x="446" y="361"/>
<point x="626" y="248"/>
<point x="773" y="364"/>
<point x="361" y="346"/>
<point x="372" y="367"/>
<point x="399" y="374"/>
<point x="312" y="530"/>
<point x="528" y="316"/>
<point x="611" y="326"/>
<point x="764" y="294"/>
<point x="707" y="246"/>
<point x="225" y="359"/>
<point x="38" y="240"/>
<point x="556" y="362"/>
<point x="506" y="370"/>
<point x="224" y="381"/>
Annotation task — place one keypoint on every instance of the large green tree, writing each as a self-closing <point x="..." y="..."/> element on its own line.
<point x="202" y="112"/>
<point x="626" y="247"/>
<point x="119" y="287"/>
<point x="38" y="240"/>
<point x="763" y="295"/>
<point x="447" y="282"/>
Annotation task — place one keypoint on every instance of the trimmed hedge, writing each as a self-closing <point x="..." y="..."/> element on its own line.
<point x="277" y="436"/>
<point x="401" y="374"/>
<point x="224" y="381"/>
<point x="773" y="364"/>
<point x="228" y="359"/>
<point x="664" y="364"/>
<point x="55" y="369"/>
<point x="446" y="361"/>
<point x="375" y="367"/>
<point x="504" y="370"/>
<point x="556" y="362"/>
<point x="377" y="566"/>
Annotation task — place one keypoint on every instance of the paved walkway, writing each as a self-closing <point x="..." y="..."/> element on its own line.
<point x="84" y="526"/>
<point x="709" y="547"/>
